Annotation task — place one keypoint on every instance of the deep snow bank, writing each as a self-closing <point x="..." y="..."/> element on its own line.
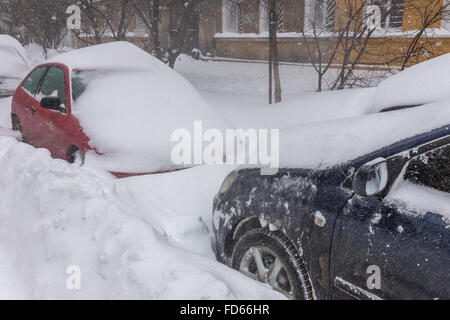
<point x="239" y="92"/>
<point x="423" y="83"/>
<point x="129" y="105"/>
<point x="54" y="215"/>
<point x="329" y="143"/>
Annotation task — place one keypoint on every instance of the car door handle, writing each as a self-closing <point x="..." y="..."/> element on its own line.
<point x="33" y="110"/>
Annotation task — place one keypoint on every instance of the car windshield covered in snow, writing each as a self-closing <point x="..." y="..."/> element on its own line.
<point x="81" y="80"/>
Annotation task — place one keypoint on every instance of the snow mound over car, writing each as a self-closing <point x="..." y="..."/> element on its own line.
<point x="13" y="58"/>
<point x="132" y="106"/>
<point x="423" y="83"/>
<point x="328" y="143"/>
<point x="55" y="216"/>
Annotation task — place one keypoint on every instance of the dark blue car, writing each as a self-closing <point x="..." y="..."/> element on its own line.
<point x="376" y="227"/>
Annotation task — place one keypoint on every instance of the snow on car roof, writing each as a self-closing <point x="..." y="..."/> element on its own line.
<point x="329" y="143"/>
<point x="9" y="41"/>
<point x="425" y="82"/>
<point x="108" y="56"/>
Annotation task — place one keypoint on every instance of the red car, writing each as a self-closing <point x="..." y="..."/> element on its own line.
<point x="46" y="121"/>
<point x="128" y="105"/>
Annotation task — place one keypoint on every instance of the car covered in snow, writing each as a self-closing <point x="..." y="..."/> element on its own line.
<point x="360" y="209"/>
<point x="13" y="65"/>
<point x="418" y="85"/>
<point x="113" y="106"/>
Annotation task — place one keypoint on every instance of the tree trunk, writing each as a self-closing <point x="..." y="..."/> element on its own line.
<point x="177" y="44"/>
<point x="273" y="43"/>
<point x="155" y="29"/>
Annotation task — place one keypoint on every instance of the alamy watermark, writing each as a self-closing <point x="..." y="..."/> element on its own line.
<point x="74" y="19"/>
<point x="374" y="280"/>
<point x="73" y="281"/>
<point x="259" y="147"/>
<point x="373" y="17"/>
<point x="372" y="13"/>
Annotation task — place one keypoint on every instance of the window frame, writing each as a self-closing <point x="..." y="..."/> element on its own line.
<point x="401" y="158"/>
<point x="33" y="94"/>
<point x="67" y="84"/>
<point x="227" y="15"/>
<point x="386" y="19"/>
<point x="421" y="183"/>
<point x="310" y="18"/>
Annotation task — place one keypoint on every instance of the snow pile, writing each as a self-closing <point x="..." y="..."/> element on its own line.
<point x="54" y="215"/>
<point x="328" y="143"/>
<point x="239" y="92"/>
<point x="312" y="107"/>
<point x="13" y="58"/>
<point x="131" y="109"/>
<point x="130" y="118"/>
<point x="425" y="82"/>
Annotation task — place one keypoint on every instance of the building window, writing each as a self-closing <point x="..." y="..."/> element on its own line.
<point x="232" y="16"/>
<point x="141" y="27"/>
<point x="321" y="14"/>
<point x="264" y="16"/>
<point x="445" y="20"/>
<point x="391" y="13"/>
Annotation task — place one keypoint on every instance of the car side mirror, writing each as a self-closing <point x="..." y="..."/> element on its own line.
<point x="52" y="103"/>
<point x="372" y="179"/>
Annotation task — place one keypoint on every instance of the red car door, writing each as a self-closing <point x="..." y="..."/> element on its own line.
<point x="24" y="103"/>
<point x="49" y="124"/>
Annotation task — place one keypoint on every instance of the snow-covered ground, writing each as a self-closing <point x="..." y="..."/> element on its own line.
<point x="239" y="91"/>
<point x="144" y="237"/>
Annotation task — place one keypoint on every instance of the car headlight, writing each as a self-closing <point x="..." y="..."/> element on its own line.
<point x="228" y="182"/>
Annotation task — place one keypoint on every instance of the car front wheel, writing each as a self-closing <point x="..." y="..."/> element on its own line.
<point x="76" y="156"/>
<point x="270" y="258"/>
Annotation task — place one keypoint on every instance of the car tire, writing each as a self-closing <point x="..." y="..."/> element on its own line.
<point x="15" y="125"/>
<point x="281" y="266"/>
<point x="75" y="156"/>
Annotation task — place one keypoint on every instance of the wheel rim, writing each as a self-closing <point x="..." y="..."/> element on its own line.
<point x="264" y="265"/>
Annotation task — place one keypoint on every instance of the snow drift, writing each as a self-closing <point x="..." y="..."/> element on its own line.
<point x="54" y="215"/>
<point x="425" y="82"/>
<point x="132" y="106"/>
<point x="329" y="143"/>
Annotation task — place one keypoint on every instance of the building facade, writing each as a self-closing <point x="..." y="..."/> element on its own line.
<point x="238" y="29"/>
